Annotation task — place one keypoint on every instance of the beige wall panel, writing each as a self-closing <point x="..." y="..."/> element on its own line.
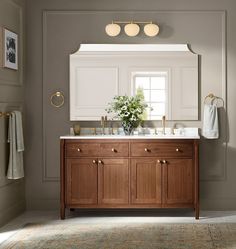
<point x="198" y="23"/>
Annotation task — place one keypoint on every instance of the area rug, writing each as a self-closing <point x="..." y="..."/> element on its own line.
<point x="124" y="236"/>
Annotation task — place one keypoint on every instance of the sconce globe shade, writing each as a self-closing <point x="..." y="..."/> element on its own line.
<point x="113" y="29"/>
<point x="151" y="29"/>
<point x="132" y="29"/>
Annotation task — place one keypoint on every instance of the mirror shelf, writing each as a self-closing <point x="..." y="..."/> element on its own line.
<point x="133" y="48"/>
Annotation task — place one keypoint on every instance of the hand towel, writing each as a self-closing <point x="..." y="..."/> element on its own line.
<point x="15" y="138"/>
<point x="210" y="122"/>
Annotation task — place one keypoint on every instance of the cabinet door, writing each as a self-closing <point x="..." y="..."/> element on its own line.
<point x="178" y="181"/>
<point x="145" y="181"/>
<point x="113" y="181"/>
<point x="81" y="179"/>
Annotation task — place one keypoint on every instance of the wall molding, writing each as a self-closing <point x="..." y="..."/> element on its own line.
<point x="43" y="204"/>
<point x="46" y="13"/>
<point x="220" y="204"/>
<point x="223" y="175"/>
<point x="19" y="82"/>
<point x="6" y="107"/>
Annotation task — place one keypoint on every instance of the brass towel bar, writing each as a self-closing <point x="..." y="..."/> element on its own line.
<point x="4" y="114"/>
<point x="213" y="97"/>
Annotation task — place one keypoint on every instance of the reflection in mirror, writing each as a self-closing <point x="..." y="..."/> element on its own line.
<point x="166" y="75"/>
<point x="154" y="88"/>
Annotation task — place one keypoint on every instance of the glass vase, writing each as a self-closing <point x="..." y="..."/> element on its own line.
<point x="128" y="128"/>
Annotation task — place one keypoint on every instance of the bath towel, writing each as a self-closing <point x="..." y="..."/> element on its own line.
<point x="15" y="138"/>
<point x="210" y="122"/>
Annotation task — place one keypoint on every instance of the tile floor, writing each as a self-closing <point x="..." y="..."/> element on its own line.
<point x="114" y="216"/>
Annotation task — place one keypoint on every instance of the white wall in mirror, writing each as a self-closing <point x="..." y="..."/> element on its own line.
<point x="167" y="75"/>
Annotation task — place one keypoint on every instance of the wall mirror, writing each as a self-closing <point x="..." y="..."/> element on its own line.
<point x="166" y="74"/>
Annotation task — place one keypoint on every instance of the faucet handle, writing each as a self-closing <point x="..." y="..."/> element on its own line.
<point x="102" y="120"/>
<point x="164" y="124"/>
<point x="163" y="119"/>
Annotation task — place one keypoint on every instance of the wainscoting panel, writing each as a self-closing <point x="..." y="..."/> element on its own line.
<point x="4" y="145"/>
<point x="13" y="21"/>
<point x="63" y="31"/>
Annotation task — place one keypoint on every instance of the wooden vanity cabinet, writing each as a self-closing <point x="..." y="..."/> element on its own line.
<point x="97" y="181"/>
<point x="113" y="181"/>
<point x="178" y="182"/>
<point x="129" y="173"/>
<point x="81" y="181"/>
<point x="146" y="181"/>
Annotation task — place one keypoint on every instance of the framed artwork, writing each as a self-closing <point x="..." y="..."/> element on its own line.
<point x="9" y="47"/>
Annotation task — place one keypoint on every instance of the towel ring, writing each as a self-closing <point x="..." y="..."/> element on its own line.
<point x="57" y="99"/>
<point x="213" y="98"/>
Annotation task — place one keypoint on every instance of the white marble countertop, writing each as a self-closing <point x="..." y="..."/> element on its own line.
<point x="186" y="133"/>
<point x="131" y="137"/>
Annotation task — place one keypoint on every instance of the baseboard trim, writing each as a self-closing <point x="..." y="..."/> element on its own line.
<point x="12" y="212"/>
<point x="218" y="204"/>
<point x="43" y="204"/>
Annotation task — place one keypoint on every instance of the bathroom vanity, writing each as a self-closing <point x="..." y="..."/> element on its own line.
<point x="129" y="172"/>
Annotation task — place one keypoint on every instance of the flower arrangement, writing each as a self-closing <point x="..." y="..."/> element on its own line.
<point x="130" y="110"/>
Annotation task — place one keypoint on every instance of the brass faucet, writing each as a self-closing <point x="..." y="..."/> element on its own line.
<point x="164" y="124"/>
<point x="103" y="124"/>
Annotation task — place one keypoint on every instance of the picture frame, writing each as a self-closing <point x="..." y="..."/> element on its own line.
<point x="9" y="49"/>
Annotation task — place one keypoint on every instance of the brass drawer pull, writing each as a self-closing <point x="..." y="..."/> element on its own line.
<point x="164" y="162"/>
<point x="99" y="161"/>
<point x="177" y="149"/>
<point x="113" y="150"/>
<point x="146" y="149"/>
<point x="94" y="161"/>
<point x="79" y="150"/>
<point x="159" y="161"/>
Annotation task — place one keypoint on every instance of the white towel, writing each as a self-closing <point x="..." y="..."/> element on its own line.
<point x="210" y="122"/>
<point x="15" y="138"/>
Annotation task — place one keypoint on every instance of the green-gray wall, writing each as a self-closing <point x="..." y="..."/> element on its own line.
<point x="55" y="29"/>
<point x="12" y="192"/>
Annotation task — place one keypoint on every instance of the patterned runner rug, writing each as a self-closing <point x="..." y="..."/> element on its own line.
<point x="63" y="235"/>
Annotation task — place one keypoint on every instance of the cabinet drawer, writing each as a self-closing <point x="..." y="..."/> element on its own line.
<point x="82" y="149"/>
<point x="159" y="149"/>
<point x="114" y="149"/>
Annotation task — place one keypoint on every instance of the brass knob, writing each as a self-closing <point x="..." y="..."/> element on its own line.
<point x="94" y="161"/>
<point x="79" y="149"/>
<point x="99" y="161"/>
<point x="113" y="150"/>
<point x="164" y="161"/>
<point x="158" y="161"/>
<point x="146" y="149"/>
<point x="177" y="149"/>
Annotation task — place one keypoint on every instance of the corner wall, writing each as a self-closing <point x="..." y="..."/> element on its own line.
<point x="12" y="192"/>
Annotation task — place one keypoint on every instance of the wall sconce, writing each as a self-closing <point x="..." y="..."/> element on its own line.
<point x="132" y="28"/>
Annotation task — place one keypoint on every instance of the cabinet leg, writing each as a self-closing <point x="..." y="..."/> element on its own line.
<point x="197" y="212"/>
<point x="62" y="212"/>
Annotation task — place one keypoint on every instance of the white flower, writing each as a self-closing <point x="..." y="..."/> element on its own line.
<point x="124" y="108"/>
<point x="133" y="118"/>
<point x="139" y="110"/>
